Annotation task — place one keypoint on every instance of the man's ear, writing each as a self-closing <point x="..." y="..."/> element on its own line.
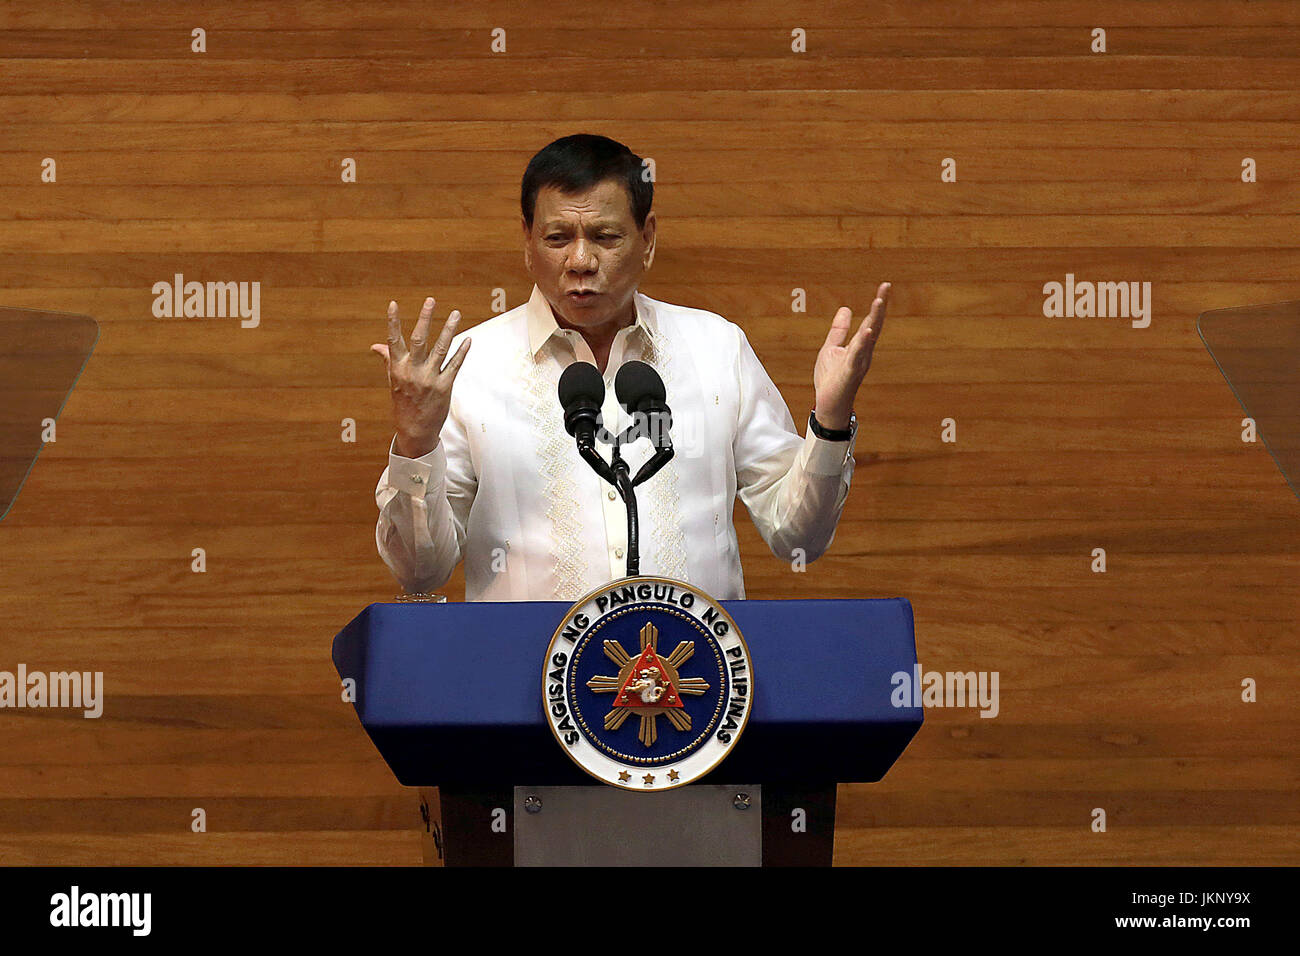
<point x="648" y="236"/>
<point x="528" y="248"/>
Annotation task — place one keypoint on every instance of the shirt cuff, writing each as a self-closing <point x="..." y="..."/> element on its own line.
<point x="822" y="457"/>
<point x="416" y="476"/>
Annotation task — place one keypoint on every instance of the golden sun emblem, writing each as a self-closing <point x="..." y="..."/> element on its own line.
<point x="648" y="684"/>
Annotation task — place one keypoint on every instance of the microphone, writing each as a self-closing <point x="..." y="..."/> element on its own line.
<point x="640" y="391"/>
<point x="582" y="392"/>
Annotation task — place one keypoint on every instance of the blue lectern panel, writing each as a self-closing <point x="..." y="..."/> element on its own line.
<point x="451" y="693"/>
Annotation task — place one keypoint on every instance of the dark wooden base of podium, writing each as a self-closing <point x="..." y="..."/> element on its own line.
<point x="431" y="841"/>
<point x="771" y="825"/>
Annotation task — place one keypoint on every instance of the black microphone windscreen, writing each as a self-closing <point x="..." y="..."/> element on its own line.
<point x="635" y="382"/>
<point x="581" y="380"/>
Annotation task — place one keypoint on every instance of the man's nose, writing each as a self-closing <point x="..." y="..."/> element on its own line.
<point x="581" y="257"/>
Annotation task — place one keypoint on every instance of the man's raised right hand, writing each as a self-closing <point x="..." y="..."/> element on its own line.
<point x="420" y="386"/>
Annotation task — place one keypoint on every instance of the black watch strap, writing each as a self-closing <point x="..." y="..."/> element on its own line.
<point x="830" y="434"/>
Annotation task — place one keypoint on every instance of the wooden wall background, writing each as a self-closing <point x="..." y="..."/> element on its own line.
<point x="775" y="170"/>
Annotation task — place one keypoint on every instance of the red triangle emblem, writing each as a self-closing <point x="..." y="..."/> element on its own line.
<point x="648" y="684"/>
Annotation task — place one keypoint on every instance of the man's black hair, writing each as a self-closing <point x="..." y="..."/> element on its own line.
<point x="578" y="162"/>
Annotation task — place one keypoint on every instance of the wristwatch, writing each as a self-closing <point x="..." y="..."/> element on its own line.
<point x="832" y="434"/>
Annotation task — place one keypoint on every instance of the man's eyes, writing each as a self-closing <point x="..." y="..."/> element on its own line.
<point x="601" y="237"/>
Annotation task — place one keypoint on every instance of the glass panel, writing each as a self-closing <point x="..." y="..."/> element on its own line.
<point x="1257" y="349"/>
<point x="41" y="358"/>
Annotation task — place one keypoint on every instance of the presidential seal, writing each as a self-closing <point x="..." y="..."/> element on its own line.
<point x="647" y="683"/>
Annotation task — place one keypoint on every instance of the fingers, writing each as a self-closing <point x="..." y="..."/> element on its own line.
<point x="869" y="331"/>
<point x="839" y="330"/>
<point x="444" y="339"/>
<point x="382" y="352"/>
<point x="418" y="351"/>
<point x="420" y="334"/>
<point x="457" y="360"/>
<point x="396" y="345"/>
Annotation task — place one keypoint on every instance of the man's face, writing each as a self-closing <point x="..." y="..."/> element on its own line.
<point x="588" y="241"/>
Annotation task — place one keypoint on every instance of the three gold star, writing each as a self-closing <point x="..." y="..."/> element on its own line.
<point x="648" y="779"/>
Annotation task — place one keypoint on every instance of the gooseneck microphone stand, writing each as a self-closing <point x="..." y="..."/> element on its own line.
<point x="623" y="482"/>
